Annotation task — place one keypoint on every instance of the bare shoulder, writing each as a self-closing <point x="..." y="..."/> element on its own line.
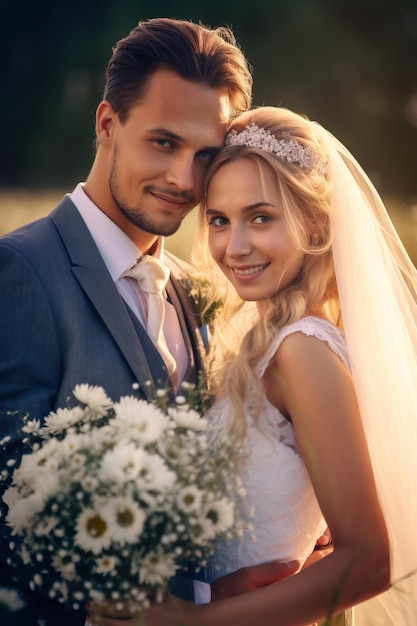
<point x="305" y="369"/>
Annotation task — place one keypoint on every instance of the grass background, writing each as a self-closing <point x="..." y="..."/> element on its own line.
<point x="20" y="207"/>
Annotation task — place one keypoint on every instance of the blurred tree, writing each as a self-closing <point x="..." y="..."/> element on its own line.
<point x="351" y="66"/>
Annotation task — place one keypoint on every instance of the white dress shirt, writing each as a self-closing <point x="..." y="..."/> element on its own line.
<point x="119" y="253"/>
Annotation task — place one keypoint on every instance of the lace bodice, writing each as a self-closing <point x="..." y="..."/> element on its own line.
<point x="287" y="519"/>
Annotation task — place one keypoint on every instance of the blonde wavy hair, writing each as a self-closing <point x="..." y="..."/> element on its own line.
<point x="240" y="336"/>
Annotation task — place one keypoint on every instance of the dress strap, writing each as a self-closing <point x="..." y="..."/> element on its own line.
<point x="311" y="326"/>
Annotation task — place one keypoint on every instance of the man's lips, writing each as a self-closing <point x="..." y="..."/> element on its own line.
<point x="170" y="200"/>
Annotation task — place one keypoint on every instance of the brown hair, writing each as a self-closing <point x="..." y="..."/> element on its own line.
<point x="195" y="52"/>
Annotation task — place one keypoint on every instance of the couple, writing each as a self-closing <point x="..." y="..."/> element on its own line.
<point x="306" y="246"/>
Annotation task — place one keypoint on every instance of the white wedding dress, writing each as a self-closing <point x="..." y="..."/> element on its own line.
<point x="287" y="519"/>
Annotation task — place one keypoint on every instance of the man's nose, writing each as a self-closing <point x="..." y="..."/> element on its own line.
<point x="182" y="172"/>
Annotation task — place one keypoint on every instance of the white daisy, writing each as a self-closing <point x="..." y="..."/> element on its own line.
<point x="94" y="397"/>
<point x="70" y="444"/>
<point x="93" y="531"/>
<point x="126" y="519"/>
<point x="122" y="463"/>
<point x="154" y="474"/>
<point x="156" y="568"/>
<point x="31" y="426"/>
<point x="23" y="511"/>
<point x="105" y="564"/>
<point x="61" y="419"/>
<point x="218" y="516"/>
<point x="188" y="418"/>
<point x="189" y="499"/>
<point x="142" y="421"/>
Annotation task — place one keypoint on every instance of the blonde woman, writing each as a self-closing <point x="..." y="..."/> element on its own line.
<point x="314" y="366"/>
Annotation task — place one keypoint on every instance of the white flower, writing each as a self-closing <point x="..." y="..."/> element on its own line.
<point x="31" y="426"/>
<point x="126" y="519"/>
<point x="62" y="419"/>
<point x="94" y="397"/>
<point x="122" y="463"/>
<point x="23" y="511"/>
<point x="113" y="498"/>
<point x="50" y="485"/>
<point x="156" y="567"/>
<point x="187" y="418"/>
<point x="10" y="600"/>
<point x="70" y="444"/>
<point x="139" y="420"/>
<point x="93" y="531"/>
<point x="154" y="474"/>
<point x="189" y="499"/>
<point x="105" y="564"/>
<point x="66" y="569"/>
<point x="35" y="463"/>
<point x="218" y="517"/>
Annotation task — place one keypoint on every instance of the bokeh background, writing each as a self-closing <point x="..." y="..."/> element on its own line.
<point x="352" y="66"/>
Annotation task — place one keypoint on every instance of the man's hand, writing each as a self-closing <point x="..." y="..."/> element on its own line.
<point x="251" y="578"/>
<point x="106" y="614"/>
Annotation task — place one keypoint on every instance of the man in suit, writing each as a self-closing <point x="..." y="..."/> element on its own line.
<point x="69" y="314"/>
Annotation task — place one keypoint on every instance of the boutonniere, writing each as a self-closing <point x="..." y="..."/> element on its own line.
<point x="200" y="291"/>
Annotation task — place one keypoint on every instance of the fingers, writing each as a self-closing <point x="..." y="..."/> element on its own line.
<point x="107" y="615"/>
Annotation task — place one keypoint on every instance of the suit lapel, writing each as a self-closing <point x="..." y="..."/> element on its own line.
<point x="92" y="275"/>
<point x="189" y="323"/>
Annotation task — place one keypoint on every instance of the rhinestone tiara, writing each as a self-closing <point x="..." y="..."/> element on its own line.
<point x="291" y="151"/>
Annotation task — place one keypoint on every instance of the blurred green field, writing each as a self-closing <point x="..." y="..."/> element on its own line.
<point x="19" y="207"/>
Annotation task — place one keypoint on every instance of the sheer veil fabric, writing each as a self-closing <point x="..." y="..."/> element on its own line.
<point x="377" y="284"/>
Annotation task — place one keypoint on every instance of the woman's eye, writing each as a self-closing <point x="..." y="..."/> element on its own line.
<point x="218" y="221"/>
<point x="262" y="219"/>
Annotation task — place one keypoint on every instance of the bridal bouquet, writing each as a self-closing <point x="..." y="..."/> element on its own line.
<point x="114" y="498"/>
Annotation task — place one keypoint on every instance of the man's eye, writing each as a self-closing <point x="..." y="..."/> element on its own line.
<point x="163" y="143"/>
<point x="206" y="155"/>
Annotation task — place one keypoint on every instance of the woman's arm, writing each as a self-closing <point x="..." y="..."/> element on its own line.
<point x="315" y="389"/>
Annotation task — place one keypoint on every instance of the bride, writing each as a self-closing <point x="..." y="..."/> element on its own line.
<point x="314" y="368"/>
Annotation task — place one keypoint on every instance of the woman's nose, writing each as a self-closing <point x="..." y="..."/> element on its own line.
<point x="238" y="242"/>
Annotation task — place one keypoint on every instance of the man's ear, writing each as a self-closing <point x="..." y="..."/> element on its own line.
<point x="105" y="121"/>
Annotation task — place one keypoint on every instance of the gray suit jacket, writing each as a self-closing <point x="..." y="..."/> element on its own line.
<point x="63" y="322"/>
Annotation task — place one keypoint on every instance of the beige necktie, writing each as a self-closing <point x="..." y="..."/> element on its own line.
<point x="152" y="276"/>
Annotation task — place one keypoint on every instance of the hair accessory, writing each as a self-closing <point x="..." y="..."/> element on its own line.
<point x="288" y="149"/>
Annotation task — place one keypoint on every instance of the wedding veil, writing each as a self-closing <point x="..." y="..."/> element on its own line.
<point x="377" y="284"/>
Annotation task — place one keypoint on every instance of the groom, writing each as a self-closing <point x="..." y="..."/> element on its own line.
<point x="69" y="313"/>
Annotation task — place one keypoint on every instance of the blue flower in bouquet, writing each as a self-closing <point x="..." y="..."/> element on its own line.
<point x="112" y="498"/>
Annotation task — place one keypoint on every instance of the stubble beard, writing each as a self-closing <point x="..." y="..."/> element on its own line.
<point x="137" y="215"/>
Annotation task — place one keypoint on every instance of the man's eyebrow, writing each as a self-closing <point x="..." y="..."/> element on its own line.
<point x="165" y="132"/>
